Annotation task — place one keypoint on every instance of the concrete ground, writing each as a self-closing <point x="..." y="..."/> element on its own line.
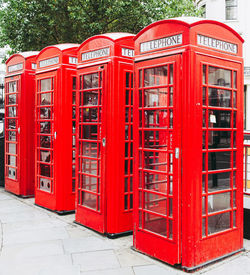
<point x="35" y="241"/>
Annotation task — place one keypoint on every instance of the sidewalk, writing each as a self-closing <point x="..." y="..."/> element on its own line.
<point x="35" y="241"/>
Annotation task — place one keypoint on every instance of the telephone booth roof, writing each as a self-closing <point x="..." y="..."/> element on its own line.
<point x="54" y="55"/>
<point x="112" y="41"/>
<point x="184" y="31"/>
<point x="20" y="61"/>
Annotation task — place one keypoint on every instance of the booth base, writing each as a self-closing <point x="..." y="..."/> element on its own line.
<point x="246" y="223"/>
<point x="197" y="267"/>
<point x="108" y="235"/>
<point x="61" y="213"/>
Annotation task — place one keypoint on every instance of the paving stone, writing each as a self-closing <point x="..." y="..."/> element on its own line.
<point x="74" y="245"/>
<point x="26" y="215"/>
<point x="155" y="269"/>
<point x="28" y="236"/>
<point x="18" y="252"/>
<point x="98" y="260"/>
<point x="32" y="224"/>
<point x="61" y="270"/>
<point x="117" y="271"/>
<point x="127" y="257"/>
<point x="77" y="232"/>
<point x="33" y="266"/>
<point x="237" y="266"/>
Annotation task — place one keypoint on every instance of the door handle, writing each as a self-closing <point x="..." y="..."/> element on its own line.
<point x="104" y="142"/>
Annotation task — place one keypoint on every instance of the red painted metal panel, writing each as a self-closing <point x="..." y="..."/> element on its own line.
<point x="19" y="124"/>
<point x="104" y="133"/>
<point x="208" y="114"/>
<point x="55" y="126"/>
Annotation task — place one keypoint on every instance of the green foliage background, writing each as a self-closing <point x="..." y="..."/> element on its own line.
<point x="33" y="24"/>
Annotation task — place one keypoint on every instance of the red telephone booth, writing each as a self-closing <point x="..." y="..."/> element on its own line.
<point x="105" y="135"/>
<point x="19" y="123"/>
<point x="55" y="128"/>
<point x="188" y="141"/>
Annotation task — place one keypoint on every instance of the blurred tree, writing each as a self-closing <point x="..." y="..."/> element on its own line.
<point x="34" y="24"/>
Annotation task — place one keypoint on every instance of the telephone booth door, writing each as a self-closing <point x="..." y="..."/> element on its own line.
<point x="55" y="128"/>
<point x="12" y="148"/>
<point x="45" y="136"/>
<point x="91" y="146"/>
<point x="222" y="136"/>
<point x="158" y="120"/>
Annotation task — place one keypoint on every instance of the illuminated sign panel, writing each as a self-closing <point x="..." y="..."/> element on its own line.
<point x="16" y="67"/>
<point x="161" y="43"/>
<point x="96" y="54"/>
<point x="216" y="44"/>
<point x="128" y="52"/>
<point x="49" y="62"/>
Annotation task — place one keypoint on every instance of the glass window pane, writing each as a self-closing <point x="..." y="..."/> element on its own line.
<point x="155" y="203"/>
<point x="235" y="80"/>
<point x="204" y="76"/>
<point x="90" y="98"/>
<point x="89" y="149"/>
<point x="89" y="166"/>
<point x="11" y="173"/>
<point x="156" y="182"/>
<point x="219" y="139"/>
<point x="218" y="202"/>
<point x="88" y="182"/>
<point x="219" y="77"/>
<point x="12" y="87"/>
<point x="45" y="170"/>
<point x="219" y="119"/>
<point x="155" y="118"/>
<point x="90" y="114"/>
<point x="11" y="148"/>
<point x="155" y="139"/>
<point x="231" y="13"/>
<point x="219" y="160"/>
<point x="171" y="73"/>
<point x="90" y="81"/>
<point x="155" y="76"/>
<point x="155" y="97"/>
<point x="89" y="200"/>
<point x="218" y="223"/>
<point x="45" y="85"/>
<point x="45" y="156"/>
<point x="12" y="111"/>
<point x="155" y="160"/>
<point x="45" y="99"/>
<point x="204" y="96"/>
<point x="45" y="127"/>
<point x="11" y="135"/>
<point x="45" y="141"/>
<point x="12" y="99"/>
<point x="45" y="113"/>
<point x="90" y="132"/>
<point x="155" y="224"/>
<point x="219" y="181"/>
<point x="11" y="123"/>
<point x="11" y="160"/>
<point x="219" y="98"/>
